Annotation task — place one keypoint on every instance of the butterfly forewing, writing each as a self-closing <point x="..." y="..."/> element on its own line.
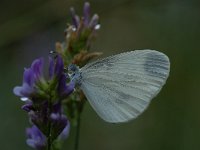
<point x="120" y="87"/>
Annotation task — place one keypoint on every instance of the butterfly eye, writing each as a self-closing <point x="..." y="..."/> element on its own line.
<point x="72" y="68"/>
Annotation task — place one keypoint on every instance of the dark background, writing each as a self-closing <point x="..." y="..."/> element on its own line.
<point x="29" y="29"/>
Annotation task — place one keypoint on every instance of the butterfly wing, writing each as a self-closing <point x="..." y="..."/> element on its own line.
<point x="120" y="87"/>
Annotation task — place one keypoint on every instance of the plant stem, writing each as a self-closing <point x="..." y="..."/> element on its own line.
<point x="77" y="132"/>
<point x="49" y="126"/>
<point x="49" y="137"/>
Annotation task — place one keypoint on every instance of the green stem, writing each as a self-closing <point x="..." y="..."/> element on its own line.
<point x="49" y="137"/>
<point x="77" y="132"/>
<point x="49" y="142"/>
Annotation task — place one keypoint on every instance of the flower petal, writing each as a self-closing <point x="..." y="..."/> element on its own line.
<point x="28" y="77"/>
<point x="86" y="13"/>
<point x="75" y="18"/>
<point x="94" y="21"/>
<point x="51" y="67"/>
<point x="59" y="122"/>
<point x="59" y="67"/>
<point x="65" y="133"/>
<point x="37" y="67"/>
<point x="27" y="107"/>
<point x="31" y="143"/>
<point x="17" y="91"/>
<point x="63" y="89"/>
<point x="23" y="91"/>
<point x="35" y="138"/>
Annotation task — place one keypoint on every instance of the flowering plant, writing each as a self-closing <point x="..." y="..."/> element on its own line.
<point x="45" y="97"/>
<point x="119" y="87"/>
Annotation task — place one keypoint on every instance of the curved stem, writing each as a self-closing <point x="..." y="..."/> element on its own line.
<point x="77" y="132"/>
<point x="49" y="142"/>
<point x="49" y="137"/>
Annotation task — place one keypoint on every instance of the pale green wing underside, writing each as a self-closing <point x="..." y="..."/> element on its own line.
<point x="120" y="87"/>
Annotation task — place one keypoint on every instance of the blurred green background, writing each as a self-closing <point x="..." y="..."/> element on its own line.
<point x="29" y="29"/>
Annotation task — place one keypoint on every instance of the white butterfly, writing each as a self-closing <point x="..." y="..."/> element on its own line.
<point x="120" y="87"/>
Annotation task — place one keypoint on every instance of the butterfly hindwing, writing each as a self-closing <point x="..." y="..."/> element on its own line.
<point x="120" y="87"/>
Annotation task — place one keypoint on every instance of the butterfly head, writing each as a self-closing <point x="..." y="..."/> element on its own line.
<point x="74" y="74"/>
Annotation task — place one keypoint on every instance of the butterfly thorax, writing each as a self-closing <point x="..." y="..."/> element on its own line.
<point x="74" y="74"/>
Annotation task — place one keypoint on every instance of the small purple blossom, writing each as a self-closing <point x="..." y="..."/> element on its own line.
<point x="56" y="69"/>
<point x="28" y="106"/>
<point x="86" y="21"/>
<point x="32" y="75"/>
<point x="35" y="138"/>
<point x="39" y="117"/>
<point x="65" y="133"/>
<point x="34" y="85"/>
<point x="86" y="13"/>
<point x="60" y="123"/>
<point x="75" y="18"/>
<point x="80" y="33"/>
<point x="63" y="89"/>
<point x="94" y="22"/>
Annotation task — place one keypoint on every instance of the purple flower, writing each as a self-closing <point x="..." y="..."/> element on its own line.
<point x="31" y="77"/>
<point x="85" y="22"/>
<point x="35" y="138"/>
<point x="82" y="31"/>
<point x="35" y="87"/>
<point x="60" y="123"/>
<point x="94" y="22"/>
<point x="75" y="18"/>
<point x="63" y="89"/>
<point x="28" y="106"/>
<point x="39" y="116"/>
<point x="65" y="133"/>
<point x="86" y="13"/>
<point x="49" y="93"/>
<point x="56" y="68"/>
